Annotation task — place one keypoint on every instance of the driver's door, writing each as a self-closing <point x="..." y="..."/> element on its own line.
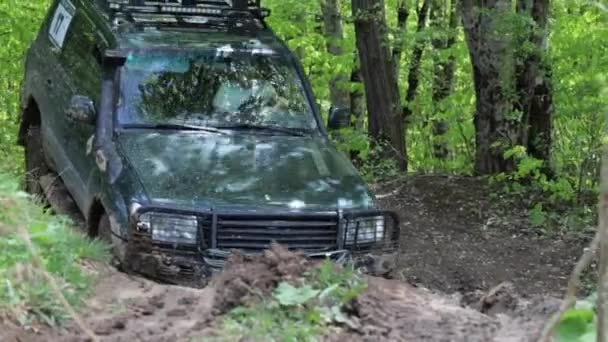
<point x="83" y="79"/>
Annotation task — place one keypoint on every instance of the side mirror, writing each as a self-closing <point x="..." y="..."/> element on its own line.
<point x="81" y="110"/>
<point x="338" y="118"/>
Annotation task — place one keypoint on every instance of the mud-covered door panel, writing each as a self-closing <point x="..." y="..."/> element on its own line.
<point x="83" y="80"/>
<point x="53" y="85"/>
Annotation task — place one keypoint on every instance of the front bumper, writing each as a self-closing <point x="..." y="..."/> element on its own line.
<point x="320" y="236"/>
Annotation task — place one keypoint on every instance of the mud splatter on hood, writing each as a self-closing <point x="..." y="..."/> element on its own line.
<point x="197" y="168"/>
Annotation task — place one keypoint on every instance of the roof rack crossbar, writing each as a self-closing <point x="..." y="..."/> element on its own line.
<point x="184" y="6"/>
<point x="240" y="14"/>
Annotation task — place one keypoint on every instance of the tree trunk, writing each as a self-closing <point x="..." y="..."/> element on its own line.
<point x="497" y="129"/>
<point x="443" y="18"/>
<point x="357" y="101"/>
<point x="413" y="78"/>
<point x="402" y="14"/>
<point x="534" y="85"/>
<point x="381" y="88"/>
<point x="332" y="23"/>
<point x="602" y="289"/>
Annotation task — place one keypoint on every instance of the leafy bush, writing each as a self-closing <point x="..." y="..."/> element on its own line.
<point x="579" y="324"/>
<point x="25" y="295"/>
<point x="298" y="313"/>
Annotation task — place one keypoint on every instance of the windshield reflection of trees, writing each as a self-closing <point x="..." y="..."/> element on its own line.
<point x="226" y="90"/>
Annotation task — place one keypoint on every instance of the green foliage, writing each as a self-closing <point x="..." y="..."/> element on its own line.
<point x="25" y="296"/>
<point x="579" y="324"/>
<point x="18" y="27"/>
<point x="298" y="313"/>
<point x="555" y="203"/>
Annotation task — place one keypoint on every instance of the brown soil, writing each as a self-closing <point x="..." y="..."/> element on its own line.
<point x="247" y="278"/>
<point x="456" y="238"/>
<point x="132" y="309"/>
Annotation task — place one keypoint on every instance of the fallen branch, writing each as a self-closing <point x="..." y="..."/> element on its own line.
<point x="573" y="285"/>
<point x="392" y="193"/>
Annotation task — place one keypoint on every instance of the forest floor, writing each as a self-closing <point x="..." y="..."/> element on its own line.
<point x="457" y="237"/>
<point x="470" y="269"/>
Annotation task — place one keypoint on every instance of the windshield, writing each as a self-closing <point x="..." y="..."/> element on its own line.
<point x="212" y="89"/>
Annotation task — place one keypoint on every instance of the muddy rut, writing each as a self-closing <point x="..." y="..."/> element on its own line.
<point x="126" y="308"/>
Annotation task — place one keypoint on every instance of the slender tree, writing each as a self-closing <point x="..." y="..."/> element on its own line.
<point x="444" y="21"/>
<point x="381" y="88"/>
<point x="403" y="14"/>
<point x="413" y="78"/>
<point x="602" y="289"/>
<point x="357" y="98"/>
<point x="534" y="86"/>
<point x="332" y="23"/>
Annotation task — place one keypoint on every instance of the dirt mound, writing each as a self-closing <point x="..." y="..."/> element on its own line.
<point x="247" y="277"/>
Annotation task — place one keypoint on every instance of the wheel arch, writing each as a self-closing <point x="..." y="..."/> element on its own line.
<point x="30" y="116"/>
<point x="96" y="212"/>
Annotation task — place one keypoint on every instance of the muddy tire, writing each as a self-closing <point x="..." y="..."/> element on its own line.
<point x="118" y="247"/>
<point x="35" y="162"/>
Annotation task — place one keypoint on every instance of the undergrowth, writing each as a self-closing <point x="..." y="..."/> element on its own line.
<point x="26" y="298"/>
<point x="555" y="204"/>
<point x="298" y="313"/>
<point x="579" y="324"/>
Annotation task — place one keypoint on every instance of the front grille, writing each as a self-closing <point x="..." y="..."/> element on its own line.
<point x="255" y="233"/>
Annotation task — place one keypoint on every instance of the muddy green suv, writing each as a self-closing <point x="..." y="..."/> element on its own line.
<point x="185" y="130"/>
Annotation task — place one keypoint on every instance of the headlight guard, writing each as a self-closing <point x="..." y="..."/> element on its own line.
<point x="364" y="230"/>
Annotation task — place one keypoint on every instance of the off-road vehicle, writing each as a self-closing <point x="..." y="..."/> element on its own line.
<point x="185" y="130"/>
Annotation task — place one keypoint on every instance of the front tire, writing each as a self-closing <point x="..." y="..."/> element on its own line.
<point x="35" y="162"/>
<point x="117" y="245"/>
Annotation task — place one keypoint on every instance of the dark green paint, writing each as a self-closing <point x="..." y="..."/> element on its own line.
<point x="243" y="169"/>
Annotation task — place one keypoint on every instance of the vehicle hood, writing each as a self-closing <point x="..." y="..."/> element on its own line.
<point x="196" y="169"/>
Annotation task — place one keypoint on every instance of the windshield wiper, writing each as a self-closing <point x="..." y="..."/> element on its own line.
<point x="178" y="127"/>
<point x="284" y="130"/>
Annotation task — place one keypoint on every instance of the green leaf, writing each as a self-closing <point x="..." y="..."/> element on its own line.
<point x="288" y="295"/>
<point x="575" y="324"/>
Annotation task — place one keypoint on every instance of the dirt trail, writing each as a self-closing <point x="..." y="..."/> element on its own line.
<point x="456" y="238"/>
<point x="133" y="309"/>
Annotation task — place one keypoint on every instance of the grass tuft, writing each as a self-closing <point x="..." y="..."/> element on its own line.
<point x="27" y="297"/>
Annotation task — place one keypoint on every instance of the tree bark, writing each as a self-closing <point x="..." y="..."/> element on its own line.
<point x="602" y="289"/>
<point x="357" y="101"/>
<point x="496" y="128"/>
<point x="443" y="19"/>
<point x="332" y="23"/>
<point x="381" y="88"/>
<point x="534" y="84"/>
<point x="413" y="78"/>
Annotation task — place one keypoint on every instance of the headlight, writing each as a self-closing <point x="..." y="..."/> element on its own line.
<point x="368" y="230"/>
<point x="170" y="228"/>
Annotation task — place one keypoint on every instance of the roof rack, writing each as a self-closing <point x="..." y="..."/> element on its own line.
<point x="235" y="14"/>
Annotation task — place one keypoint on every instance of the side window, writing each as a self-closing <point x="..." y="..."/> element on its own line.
<point x="62" y="19"/>
<point x="79" y="56"/>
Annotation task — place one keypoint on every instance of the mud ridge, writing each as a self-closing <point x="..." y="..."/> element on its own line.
<point x="127" y="308"/>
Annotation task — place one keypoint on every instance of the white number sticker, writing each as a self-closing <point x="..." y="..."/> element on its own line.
<point x="61" y="22"/>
